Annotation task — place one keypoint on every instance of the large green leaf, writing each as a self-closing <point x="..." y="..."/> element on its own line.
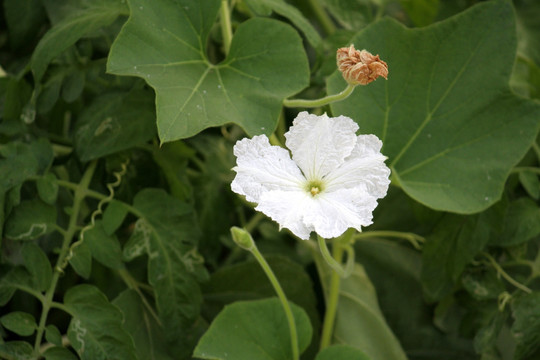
<point x="247" y="281"/>
<point x="451" y="127"/>
<point x="89" y="17"/>
<point x="95" y="330"/>
<point x="165" y="232"/>
<point x="359" y="320"/>
<point x="164" y="42"/>
<point x="249" y="330"/>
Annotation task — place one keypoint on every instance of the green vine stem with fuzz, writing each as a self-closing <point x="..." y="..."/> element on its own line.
<point x="226" y="30"/>
<point x="336" y="264"/>
<point x="79" y="195"/>
<point x="505" y="275"/>
<point x="322" y="101"/>
<point x="243" y="239"/>
<point x="415" y="240"/>
<point x="338" y="248"/>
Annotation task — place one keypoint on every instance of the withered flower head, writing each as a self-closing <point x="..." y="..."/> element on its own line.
<point x="360" y="67"/>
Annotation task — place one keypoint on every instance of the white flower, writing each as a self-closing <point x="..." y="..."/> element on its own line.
<point x="331" y="184"/>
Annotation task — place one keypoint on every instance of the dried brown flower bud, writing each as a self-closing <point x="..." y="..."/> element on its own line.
<point x="360" y="67"/>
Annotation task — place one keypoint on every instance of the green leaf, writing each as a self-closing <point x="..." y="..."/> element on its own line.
<point x="19" y="322"/>
<point x="104" y="248"/>
<point x="341" y="352"/>
<point x="172" y="158"/>
<point x="96" y="331"/>
<point x="294" y="15"/>
<point x="521" y="223"/>
<point x="81" y="260"/>
<point x="17" y="163"/>
<point x="247" y="281"/>
<point x="113" y="216"/>
<point x="450" y="126"/>
<point x="253" y="330"/>
<point x="164" y="42"/>
<point x="92" y="16"/>
<point x="421" y="12"/>
<point x="20" y="350"/>
<point x="53" y="335"/>
<point x="38" y="265"/>
<point x="482" y="284"/>
<point x="114" y="122"/>
<point x="30" y="219"/>
<point x="526" y="327"/>
<point x="352" y="14"/>
<point x="73" y="85"/>
<point x="530" y="182"/>
<point x="47" y="187"/>
<point x="58" y="353"/>
<point x="142" y="326"/>
<point x="359" y="320"/>
<point x="165" y="232"/>
<point x="454" y="242"/>
<point x="11" y="280"/>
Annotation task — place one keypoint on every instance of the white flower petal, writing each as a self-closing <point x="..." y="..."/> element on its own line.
<point x="365" y="167"/>
<point x="262" y="167"/>
<point x="288" y="209"/>
<point x="320" y="144"/>
<point x="328" y="214"/>
<point x="339" y="210"/>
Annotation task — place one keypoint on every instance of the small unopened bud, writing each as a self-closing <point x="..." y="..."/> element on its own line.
<point x="360" y="67"/>
<point x="242" y="238"/>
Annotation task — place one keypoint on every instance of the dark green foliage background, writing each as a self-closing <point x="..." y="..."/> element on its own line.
<point x="117" y="122"/>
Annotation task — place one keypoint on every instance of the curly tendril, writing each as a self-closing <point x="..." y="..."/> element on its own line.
<point x="110" y="186"/>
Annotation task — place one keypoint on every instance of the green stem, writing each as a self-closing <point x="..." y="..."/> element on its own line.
<point x="332" y="299"/>
<point x="226" y="30"/>
<point x="323" y="17"/>
<point x="320" y="102"/>
<point x="415" y="240"/>
<point x="505" y="275"/>
<point x="334" y="263"/>
<point x="134" y="285"/>
<point x="284" y="302"/>
<point x="80" y="193"/>
<point x="526" y="168"/>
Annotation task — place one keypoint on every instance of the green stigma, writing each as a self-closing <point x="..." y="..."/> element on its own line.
<point x="314" y="187"/>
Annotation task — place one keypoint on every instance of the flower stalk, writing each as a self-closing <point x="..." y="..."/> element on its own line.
<point x="305" y="103"/>
<point x="339" y="246"/>
<point x="243" y="239"/>
<point x="226" y="30"/>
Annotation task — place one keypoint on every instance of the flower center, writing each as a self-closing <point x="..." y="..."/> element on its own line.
<point x="314" y="187"/>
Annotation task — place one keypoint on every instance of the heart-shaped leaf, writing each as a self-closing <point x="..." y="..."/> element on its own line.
<point x="450" y="125"/>
<point x="164" y="42"/>
<point x="248" y="330"/>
